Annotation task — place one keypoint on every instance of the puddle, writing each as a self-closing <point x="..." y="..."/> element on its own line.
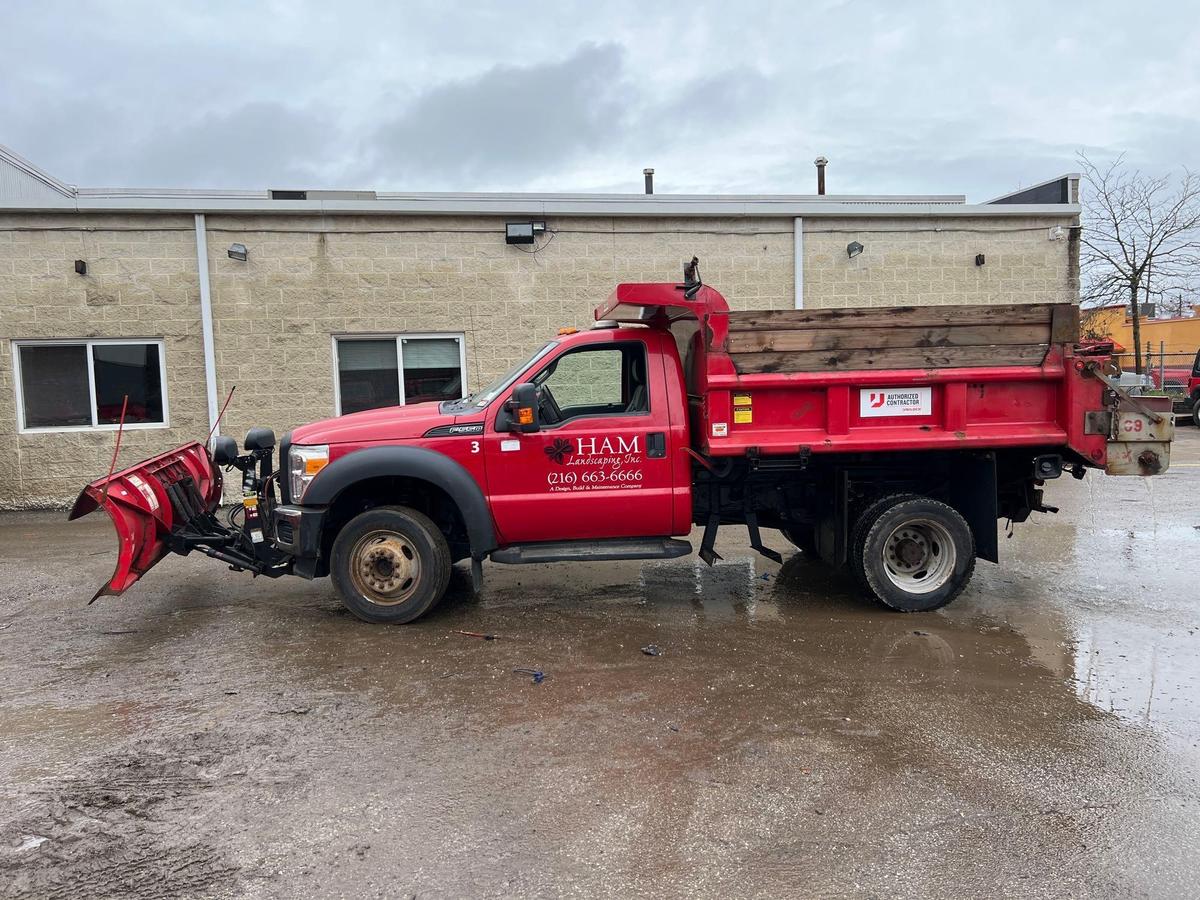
<point x="1122" y="580"/>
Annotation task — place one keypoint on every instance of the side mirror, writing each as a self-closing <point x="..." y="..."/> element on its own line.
<point x="260" y="439"/>
<point x="523" y="405"/>
<point x="225" y="451"/>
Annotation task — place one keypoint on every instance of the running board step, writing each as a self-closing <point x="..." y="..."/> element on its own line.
<point x="594" y="551"/>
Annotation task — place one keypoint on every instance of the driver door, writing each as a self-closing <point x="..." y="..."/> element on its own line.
<point x="599" y="466"/>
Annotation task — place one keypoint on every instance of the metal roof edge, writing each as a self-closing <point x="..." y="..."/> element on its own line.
<point x="169" y="193"/>
<point x="979" y="210"/>
<point x="14" y="159"/>
<point x="1030" y="187"/>
<point x="536" y="205"/>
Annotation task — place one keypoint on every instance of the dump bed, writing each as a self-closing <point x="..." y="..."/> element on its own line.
<point x="895" y="378"/>
<point x="879" y="379"/>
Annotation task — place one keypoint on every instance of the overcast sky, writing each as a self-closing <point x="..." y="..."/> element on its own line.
<point x="937" y="97"/>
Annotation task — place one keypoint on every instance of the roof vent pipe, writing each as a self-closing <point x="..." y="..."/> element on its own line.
<point x="649" y="173"/>
<point x="821" y="163"/>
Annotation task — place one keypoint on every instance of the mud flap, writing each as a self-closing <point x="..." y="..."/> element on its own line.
<point x="147" y="502"/>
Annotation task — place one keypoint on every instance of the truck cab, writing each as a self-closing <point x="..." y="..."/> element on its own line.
<point x="595" y="458"/>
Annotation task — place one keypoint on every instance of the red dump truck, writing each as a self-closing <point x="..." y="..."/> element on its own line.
<point x="886" y="440"/>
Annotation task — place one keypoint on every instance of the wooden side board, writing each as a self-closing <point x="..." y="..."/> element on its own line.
<point x="892" y="358"/>
<point x="878" y="337"/>
<point x="898" y="337"/>
<point x="899" y="316"/>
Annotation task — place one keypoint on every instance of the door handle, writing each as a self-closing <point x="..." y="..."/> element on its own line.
<point x="656" y="445"/>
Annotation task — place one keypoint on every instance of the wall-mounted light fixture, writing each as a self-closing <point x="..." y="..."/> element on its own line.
<point x="80" y="267"/>
<point x="979" y="260"/>
<point x="523" y="232"/>
<point x="853" y="249"/>
<point x="238" y="252"/>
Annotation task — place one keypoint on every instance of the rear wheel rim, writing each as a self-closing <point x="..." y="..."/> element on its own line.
<point x="385" y="568"/>
<point x="919" y="556"/>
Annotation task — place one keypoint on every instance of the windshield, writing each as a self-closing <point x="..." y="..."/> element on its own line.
<point x="486" y="395"/>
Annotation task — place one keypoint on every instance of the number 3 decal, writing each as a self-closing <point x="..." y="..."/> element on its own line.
<point x="474" y="446"/>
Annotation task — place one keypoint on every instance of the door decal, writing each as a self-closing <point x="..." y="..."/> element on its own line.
<point x="595" y="463"/>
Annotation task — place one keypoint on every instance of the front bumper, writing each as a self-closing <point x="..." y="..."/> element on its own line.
<point x="298" y="532"/>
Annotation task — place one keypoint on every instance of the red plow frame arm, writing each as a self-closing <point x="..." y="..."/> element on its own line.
<point x="146" y="502"/>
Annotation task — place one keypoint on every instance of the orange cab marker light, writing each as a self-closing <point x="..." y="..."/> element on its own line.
<point x="568" y="331"/>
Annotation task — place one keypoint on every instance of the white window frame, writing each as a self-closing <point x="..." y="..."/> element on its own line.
<point x="399" y="339"/>
<point x="89" y="343"/>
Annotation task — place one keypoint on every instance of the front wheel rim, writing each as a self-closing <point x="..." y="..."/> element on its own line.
<point x="385" y="568"/>
<point x="919" y="556"/>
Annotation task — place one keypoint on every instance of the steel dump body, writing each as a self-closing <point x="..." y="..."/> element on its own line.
<point x="837" y="381"/>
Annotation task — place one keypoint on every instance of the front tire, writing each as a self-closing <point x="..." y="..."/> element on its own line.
<point x="390" y="565"/>
<point x="917" y="555"/>
<point x="1196" y="413"/>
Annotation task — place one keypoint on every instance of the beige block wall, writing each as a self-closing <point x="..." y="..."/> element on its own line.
<point x="141" y="283"/>
<point x="932" y="261"/>
<point x="309" y="278"/>
<point x="275" y="314"/>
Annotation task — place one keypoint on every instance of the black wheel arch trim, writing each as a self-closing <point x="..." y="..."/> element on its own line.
<point x="410" y="462"/>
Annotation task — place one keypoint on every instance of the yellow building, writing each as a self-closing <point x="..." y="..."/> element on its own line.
<point x="1178" y="337"/>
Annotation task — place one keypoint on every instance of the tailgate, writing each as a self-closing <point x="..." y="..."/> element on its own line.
<point x="146" y="502"/>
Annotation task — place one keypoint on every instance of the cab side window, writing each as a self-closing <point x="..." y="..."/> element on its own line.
<point x="595" y="381"/>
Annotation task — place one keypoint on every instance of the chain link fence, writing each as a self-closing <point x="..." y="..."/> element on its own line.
<point x="1168" y="372"/>
<point x="1164" y="373"/>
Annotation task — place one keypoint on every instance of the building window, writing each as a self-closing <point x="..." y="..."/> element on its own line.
<point x="374" y="371"/>
<point x="65" y="385"/>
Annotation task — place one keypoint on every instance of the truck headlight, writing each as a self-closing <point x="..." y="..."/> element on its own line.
<point x="304" y="462"/>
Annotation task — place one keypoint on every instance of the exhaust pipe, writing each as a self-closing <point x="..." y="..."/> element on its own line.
<point x="649" y="173"/>
<point x="821" y="162"/>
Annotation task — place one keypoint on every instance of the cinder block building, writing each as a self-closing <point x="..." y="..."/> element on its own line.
<point x="315" y="303"/>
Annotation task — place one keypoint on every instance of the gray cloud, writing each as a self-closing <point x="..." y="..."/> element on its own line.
<point x="917" y="97"/>
<point x="259" y="142"/>
<point x="505" y="123"/>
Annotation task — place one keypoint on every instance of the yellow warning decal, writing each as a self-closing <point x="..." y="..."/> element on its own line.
<point x="741" y="400"/>
<point x="743" y="416"/>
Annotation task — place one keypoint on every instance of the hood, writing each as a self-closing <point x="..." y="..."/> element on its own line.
<point x="390" y="423"/>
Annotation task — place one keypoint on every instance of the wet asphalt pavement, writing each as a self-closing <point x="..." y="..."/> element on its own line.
<point x="212" y="735"/>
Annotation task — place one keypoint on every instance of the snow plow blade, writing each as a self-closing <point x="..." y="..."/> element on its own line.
<point x="147" y="503"/>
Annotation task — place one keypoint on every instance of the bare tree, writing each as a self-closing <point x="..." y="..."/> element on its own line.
<point x="1176" y="303"/>
<point x="1141" y="237"/>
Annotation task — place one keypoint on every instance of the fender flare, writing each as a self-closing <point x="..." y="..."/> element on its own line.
<point x="410" y="462"/>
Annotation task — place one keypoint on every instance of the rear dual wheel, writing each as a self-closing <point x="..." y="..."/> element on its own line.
<point x="390" y="565"/>
<point x="914" y="554"/>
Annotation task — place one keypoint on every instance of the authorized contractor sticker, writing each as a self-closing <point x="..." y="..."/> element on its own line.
<point x="876" y="402"/>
